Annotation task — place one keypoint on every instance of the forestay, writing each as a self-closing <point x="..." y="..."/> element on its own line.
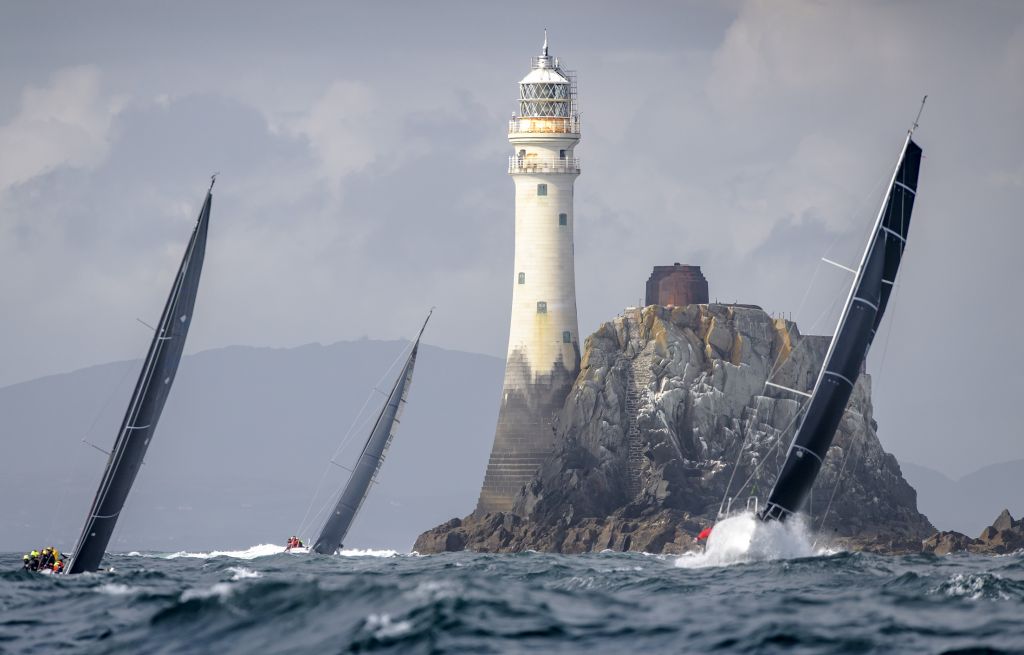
<point x="146" y="404"/>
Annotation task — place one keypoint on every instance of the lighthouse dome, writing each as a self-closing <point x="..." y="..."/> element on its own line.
<point x="544" y="76"/>
<point x="546" y="91"/>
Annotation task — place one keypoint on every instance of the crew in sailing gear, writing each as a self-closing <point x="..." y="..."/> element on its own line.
<point x="58" y="566"/>
<point x="703" y="536"/>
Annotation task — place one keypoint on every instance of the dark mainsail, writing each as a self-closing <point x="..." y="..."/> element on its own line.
<point x="856" y="329"/>
<point x="147" y="402"/>
<point x="369" y="462"/>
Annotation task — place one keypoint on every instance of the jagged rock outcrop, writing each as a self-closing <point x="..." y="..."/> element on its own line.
<point x="670" y="410"/>
<point x="1005" y="535"/>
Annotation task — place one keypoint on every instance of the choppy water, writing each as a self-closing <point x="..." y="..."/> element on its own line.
<point x="265" y="601"/>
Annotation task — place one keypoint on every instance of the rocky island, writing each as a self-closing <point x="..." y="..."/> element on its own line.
<point x="1005" y="535"/>
<point x="670" y="414"/>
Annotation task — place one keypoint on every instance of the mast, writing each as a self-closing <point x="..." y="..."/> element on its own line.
<point x="370" y="460"/>
<point x="858" y="323"/>
<point x="147" y="402"/>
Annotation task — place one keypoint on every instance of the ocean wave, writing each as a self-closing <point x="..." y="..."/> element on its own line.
<point x="260" y="550"/>
<point x="433" y="590"/>
<point x="367" y="552"/>
<point x="470" y="603"/>
<point x="242" y="573"/>
<point x="383" y="627"/>
<point x="263" y="550"/>
<point x="980" y="586"/>
<point x="220" y="590"/>
<point x="116" y="589"/>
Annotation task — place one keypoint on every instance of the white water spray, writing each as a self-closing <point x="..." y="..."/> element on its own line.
<point x="744" y="538"/>
<point x="264" y="550"/>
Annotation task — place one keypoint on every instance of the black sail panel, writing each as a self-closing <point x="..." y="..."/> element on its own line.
<point x="370" y="460"/>
<point x="857" y="326"/>
<point x="147" y="402"/>
<point x="896" y="220"/>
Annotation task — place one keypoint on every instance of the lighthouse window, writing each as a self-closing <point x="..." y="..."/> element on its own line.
<point x="542" y="307"/>
<point x="567" y="337"/>
<point x="522" y="278"/>
<point x="563" y="219"/>
<point x="542" y="189"/>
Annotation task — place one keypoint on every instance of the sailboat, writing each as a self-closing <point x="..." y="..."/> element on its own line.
<point x="147" y="402"/>
<point x="868" y="297"/>
<point x="364" y="473"/>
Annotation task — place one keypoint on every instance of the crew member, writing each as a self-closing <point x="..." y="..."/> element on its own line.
<point x="45" y="559"/>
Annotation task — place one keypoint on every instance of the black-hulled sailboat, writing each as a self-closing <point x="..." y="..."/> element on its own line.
<point x="146" y="404"/>
<point x="370" y="460"/>
<point x="858" y="323"/>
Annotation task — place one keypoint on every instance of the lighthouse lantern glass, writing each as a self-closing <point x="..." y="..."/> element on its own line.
<point x="545" y="99"/>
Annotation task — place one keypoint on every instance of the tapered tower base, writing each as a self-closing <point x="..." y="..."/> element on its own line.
<point x="525" y="431"/>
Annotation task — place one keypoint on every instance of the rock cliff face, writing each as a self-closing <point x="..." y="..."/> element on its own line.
<point x="670" y="410"/>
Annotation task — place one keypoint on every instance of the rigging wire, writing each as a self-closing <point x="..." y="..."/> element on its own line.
<point x="773" y="449"/>
<point x="839" y="482"/>
<point x="112" y="391"/>
<point x="358" y="423"/>
<point x="779" y="363"/>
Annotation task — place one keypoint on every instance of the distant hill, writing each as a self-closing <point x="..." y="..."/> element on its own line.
<point x="246" y="436"/>
<point x="967" y="505"/>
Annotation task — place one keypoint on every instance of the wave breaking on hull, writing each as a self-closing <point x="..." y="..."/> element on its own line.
<point x="743" y="538"/>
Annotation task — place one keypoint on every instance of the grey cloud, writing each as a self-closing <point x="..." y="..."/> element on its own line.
<point x="363" y="156"/>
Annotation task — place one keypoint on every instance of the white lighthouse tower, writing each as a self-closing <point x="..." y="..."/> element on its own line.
<point x="543" y="344"/>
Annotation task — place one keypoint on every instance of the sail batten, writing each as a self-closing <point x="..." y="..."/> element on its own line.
<point x="865" y="305"/>
<point x="371" y="458"/>
<point x="147" y="402"/>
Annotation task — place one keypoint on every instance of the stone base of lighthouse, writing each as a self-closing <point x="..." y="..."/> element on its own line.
<point x="525" y="432"/>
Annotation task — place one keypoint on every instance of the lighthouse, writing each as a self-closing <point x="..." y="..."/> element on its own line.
<point x="543" y="344"/>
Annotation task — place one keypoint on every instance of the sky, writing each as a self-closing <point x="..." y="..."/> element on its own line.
<point x="362" y="157"/>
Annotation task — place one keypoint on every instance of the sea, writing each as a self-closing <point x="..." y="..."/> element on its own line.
<point x="754" y="590"/>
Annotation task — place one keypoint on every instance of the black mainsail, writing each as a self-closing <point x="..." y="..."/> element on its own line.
<point x="370" y="460"/>
<point x="147" y="403"/>
<point x="858" y="323"/>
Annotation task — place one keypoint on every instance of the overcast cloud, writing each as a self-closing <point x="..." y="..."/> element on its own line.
<point x="362" y="157"/>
